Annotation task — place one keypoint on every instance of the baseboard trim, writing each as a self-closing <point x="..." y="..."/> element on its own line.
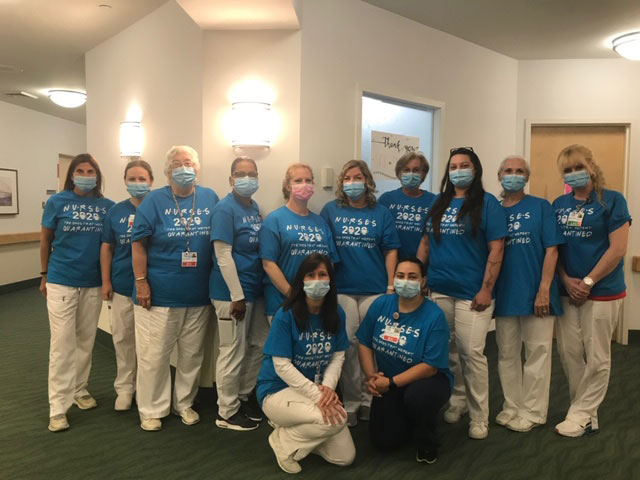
<point x="12" y="287"/>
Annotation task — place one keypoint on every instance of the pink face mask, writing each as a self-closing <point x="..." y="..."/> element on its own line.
<point x="302" y="191"/>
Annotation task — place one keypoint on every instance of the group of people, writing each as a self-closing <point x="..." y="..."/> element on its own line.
<point x="386" y="300"/>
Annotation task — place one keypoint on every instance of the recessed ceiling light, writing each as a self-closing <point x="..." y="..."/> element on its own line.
<point x="105" y="5"/>
<point x="67" y="98"/>
<point x="10" y="69"/>
<point x="628" y="45"/>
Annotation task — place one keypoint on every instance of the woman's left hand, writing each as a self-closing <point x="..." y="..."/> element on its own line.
<point x="382" y="383"/>
<point x="482" y="300"/>
<point x="328" y="396"/>
<point x="541" y="306"/>
<point x="332" y="414"/>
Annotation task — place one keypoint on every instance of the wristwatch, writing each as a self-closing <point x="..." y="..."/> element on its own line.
<point x="588" y="281"/>
<point x="392" y="384"/>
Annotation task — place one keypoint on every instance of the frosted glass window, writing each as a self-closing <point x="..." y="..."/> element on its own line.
<point x="394" y="116"/>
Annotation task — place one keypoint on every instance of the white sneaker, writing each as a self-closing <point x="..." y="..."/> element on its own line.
<point x="189" y="416"/>
<point x="478" y="430"/>
<point x="85" y="402"/>
<point x="58" y="423"/>
<point x="504" y="417"/>
<point x="453" y="414"/>
<point x="150" y="424"/>
<point x="123" y="403"/>
<point x="569" y="428"/>
<point x="519" y="424"/>
<point x="285" y="462"/>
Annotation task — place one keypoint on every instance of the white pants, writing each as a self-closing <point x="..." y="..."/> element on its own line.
<point x="240" y="356"/>
<point x="526" y="389"/>
<point x="73" y="321"/>
<point x="124" y="341"/>
<point x="584" y="343"/>
<point x="158" y="331"/>
<point x="467" y="361"/>
<point x="352" y="379"/>
<point x="301" y="430"/>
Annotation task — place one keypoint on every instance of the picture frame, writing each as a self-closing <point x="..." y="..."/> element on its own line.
<point x="9" y="203"/>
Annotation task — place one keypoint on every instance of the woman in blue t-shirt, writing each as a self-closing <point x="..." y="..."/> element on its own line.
<point x="409" y="204"/>
<point x="595" y="223"/>
<point x="463" y="246"/>
<point x="304" y="354"/>
<point x="171" y="257"/>
<point x="117" y="278"/>
<point x="404" y="349"/>
<point x="235" y="289"/>
<point x="72" y="224"/>
<point x="527" y="300"/>
<point x="367" y="243"/>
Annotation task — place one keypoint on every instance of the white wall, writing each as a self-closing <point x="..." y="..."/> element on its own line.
<point x="31" y="142"/>
<point x="603" y="90"/>
<point x="349" y="42"/>
<point x="272" y="58"/>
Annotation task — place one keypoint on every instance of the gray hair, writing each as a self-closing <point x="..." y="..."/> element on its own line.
<point x="407" y="157"/>
<point x="527" y="169"/>
<point x="173" y="151"/>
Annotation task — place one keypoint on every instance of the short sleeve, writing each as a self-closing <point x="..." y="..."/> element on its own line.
<point x="144" y="224"/>
<point x="494" y="219"/>
<point x="436" y="347"/>
<point x="365" y="330"/>
<point x="342" y="341"/>
<point x="385" y="199"/>
<point x="618" y="212"/>
<point x="107" y="231"/>
<point x="222" y="224"/>
<point x="279" y="342"/>
<point x="551" y="233"/>
<point x="269" y="239"/>
<point x="390" y="238"/>
<point x="49" y="219"/>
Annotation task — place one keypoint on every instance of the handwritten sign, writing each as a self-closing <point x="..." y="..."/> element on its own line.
<point x="387" y="148"/>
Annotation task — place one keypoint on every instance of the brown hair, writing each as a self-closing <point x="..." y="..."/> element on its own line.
<point x="407" y="157"/>
<point x="370" y="184"/>
<point x="289" y="174"/>
<point x="138" y="163"/>
<point x="235" y="163"/>
<point x="77" y="160"/>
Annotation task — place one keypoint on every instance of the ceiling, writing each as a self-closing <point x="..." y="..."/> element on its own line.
<point x="242" y="14"/>
<point x="527" y="29"/>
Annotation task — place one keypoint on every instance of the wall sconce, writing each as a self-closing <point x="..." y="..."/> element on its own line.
<point x="251" y="124"/>
<point x="131" y="139"/>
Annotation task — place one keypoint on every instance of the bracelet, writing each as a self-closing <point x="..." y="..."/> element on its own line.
<point x="43" y="273"/>
<point x="143" y="277"/>
<point x="390" y="287"/>
<point x="392" y="384"/>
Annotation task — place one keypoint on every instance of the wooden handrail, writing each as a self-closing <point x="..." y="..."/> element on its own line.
<point x="13" y="238"/>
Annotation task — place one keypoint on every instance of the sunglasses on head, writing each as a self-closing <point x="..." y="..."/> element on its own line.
<point x="455" y="149"/>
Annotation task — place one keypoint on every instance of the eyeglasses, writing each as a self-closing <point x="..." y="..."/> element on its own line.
<point x="186" y="163"/>
<point x="455" y="149"/>
<point x="245" y="174"/>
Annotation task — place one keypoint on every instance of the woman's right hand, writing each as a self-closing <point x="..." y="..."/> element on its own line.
<point x="43" y="286"/>
<point x="328" y="396"/>
<point x="238" y="309"/>
<point x="332" y="414"/>
<point x="107" y="291"/>
<point x="143" y="294"/>
<point x="573" y="286"/>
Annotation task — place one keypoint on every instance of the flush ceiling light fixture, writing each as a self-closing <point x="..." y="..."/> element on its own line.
<point x="628" y="45"/>
<point x="67" y="98"/>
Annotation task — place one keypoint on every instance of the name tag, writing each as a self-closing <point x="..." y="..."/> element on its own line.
<point x="575" y="218"/>
<point x="189" y="259"/>
<point x="132" y="217"/>
<point x="391" y="334"/>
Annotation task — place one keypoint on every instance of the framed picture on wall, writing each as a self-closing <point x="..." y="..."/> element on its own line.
<point x="8" y="191"/>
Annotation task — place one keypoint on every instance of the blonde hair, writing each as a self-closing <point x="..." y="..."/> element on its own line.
<point x="289" y="175"/>
<point x="370" y="184"/>
<point x="568" y="155"/>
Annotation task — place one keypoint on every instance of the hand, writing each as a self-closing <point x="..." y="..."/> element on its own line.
<point x="371" y="386"/>
<point x="328" y="396"/>
<point x="576" y="290"/>
<point x="482" y="300"/>
<point x="238" y="309"/>
<point x="332" y="414"/>
<point x="541" y="306"/>
<point x="107" y="291"/>
<point x="577" y="303"/>
<point x="143" y="294"/>
<point x="382" y="383"/>
<point x="43" y="286"/>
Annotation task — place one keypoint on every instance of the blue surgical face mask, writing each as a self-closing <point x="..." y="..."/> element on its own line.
<point x="245" y="186"/>
<point x="406" y="288"/>
<point x="183" y="176"/>
<point x="410" y="180"/>
<point x="579" y="179"/>
<point x="353" y="190"/>
<point x="513" y="183"/>
<point x="316" y="289"/>
<point x="84" y="184"/>
<point x="138" y="190"/>
<point x="461" y="178"/>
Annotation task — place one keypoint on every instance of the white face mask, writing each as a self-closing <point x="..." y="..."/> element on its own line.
<point x="316" y="289"/>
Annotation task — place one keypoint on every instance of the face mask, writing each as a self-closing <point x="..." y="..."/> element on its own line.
<point x="138" y="190"/>
<point x="406" y="288"/>
<point x="353" y="190"/>
<point x="316" y="289"/>
<point x="183" y="176"/>
<point x="84" y="184"/>
<point x="461" y="178"/>
<point x="579" y="179"/>
<point x="410" y="180"/>
<point x="245" y="186"/>
<point x="302" y="191"/>
<point x="513" y="183"/>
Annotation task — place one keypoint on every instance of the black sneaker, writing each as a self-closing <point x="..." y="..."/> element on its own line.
<point x="427" y="455"/>
<point x="251" y="408"/>
<point x="238" y="421"/>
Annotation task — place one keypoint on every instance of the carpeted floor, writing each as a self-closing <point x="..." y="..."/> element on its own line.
<point x="106" y="444"/>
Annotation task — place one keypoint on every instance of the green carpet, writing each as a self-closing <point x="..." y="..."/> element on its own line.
<point x="106" y="444"/>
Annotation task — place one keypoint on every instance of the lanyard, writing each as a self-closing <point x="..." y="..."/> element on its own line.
<point x="186" y="224"/>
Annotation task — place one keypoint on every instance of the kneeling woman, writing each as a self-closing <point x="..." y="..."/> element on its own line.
<point x="408" y="336"/>
<point x="304" y="354"/>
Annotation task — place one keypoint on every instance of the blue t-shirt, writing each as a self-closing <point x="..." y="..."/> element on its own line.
<point x="77" y="223"/>
<point x="362" y="236"/>
<point x="458" y="261"/>
<point x="409" y="214"/>
<point x="118" y="226"/>
<point x="532" y="229"/>
<point x="403" y="340"/>
<point x="586" y="243"/>
<point x="287" y="238"/>
<point x="158" y="219"/>
<point x="310" y="351"/>
<point x="237" y="224"/>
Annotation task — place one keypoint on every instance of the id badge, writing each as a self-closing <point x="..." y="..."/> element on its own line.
<point x="132" y="217"/>
<point x="391" y="334"/>
<point x="189" y="259"/>
<point x="317" y="378"/>
<point x="575" y="218"/>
